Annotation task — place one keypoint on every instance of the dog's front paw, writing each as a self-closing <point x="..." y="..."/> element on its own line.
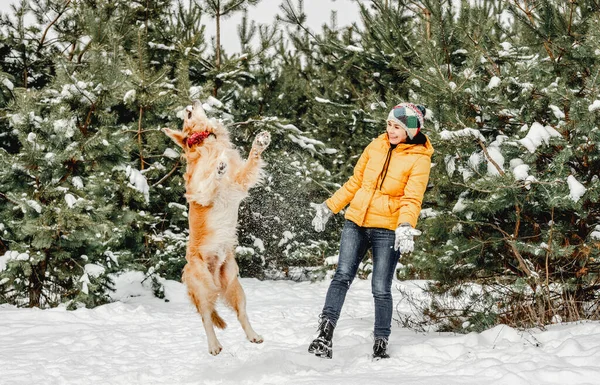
<point x="221" y="169"/>
<point x="255" y="339"/>
<point x="215" y="349"/>
<point x="261" y="142"/>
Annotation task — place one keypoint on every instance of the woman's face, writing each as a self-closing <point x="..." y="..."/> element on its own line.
<point x="396" y="134"/>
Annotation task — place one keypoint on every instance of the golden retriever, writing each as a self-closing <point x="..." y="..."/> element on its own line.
<point x="216" y="181"/>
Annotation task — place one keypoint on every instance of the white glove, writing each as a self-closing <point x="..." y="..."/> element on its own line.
<point x="404" y="238"/>
<point x="322" y="215"/>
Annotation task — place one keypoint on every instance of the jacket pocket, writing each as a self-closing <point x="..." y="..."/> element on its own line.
<point x="393" y="204"/>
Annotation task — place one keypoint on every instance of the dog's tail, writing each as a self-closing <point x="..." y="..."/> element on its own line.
<point x="217" y="320"/>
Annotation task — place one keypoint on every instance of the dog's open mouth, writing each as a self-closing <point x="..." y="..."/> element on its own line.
<point x="197" y="138"/>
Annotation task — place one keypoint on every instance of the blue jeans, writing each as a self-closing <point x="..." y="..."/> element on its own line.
<point x="354" y="244"/>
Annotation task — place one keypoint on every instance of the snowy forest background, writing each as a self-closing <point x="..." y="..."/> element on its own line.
<point x="91" y="188"/>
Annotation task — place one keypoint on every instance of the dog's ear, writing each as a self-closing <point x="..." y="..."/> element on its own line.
<point x="177" y="136"/>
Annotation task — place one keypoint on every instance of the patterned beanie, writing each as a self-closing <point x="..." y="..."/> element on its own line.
<point x="409" y="116"/>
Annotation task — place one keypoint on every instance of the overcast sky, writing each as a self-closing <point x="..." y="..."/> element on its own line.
<point x="318" y="12"/>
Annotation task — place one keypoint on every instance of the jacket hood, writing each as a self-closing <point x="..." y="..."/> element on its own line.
<point x="423" y="149"/>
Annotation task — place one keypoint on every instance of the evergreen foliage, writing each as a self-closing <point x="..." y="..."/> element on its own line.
<point x="514" y="188"/>
<point x="90" y="187"/>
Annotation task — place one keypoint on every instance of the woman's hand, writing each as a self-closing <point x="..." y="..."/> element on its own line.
<point x="322" y="215"/>
<point x="404" y="238"/>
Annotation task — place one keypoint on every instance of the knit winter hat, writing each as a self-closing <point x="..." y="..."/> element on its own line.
<point x="409" y="116"/>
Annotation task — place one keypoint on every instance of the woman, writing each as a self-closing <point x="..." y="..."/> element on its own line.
<point x="385" y="195"/>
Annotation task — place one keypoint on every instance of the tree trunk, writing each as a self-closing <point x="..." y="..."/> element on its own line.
<point x="218" y="48"/>
<point x="36" y="282"/>
<point x="139" y="138"/>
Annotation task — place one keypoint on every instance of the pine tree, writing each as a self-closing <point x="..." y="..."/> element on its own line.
<point x="220" y="10"/>
<point x="256" y="95"/>
<point x="513" y="188"/>
<point x="71" y="193"/>
<point x="350" y="82"/>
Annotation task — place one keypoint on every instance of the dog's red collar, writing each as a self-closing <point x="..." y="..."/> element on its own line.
<point x="197" y="138"/>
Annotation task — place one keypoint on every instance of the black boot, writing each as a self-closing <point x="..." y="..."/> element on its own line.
<point x="322" y="345"/>
<point x="380" y="348"/>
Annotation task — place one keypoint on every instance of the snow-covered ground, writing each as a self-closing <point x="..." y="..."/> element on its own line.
<point x="144" y="340"/>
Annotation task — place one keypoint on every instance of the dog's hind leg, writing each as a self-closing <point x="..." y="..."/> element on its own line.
<point x="204" y="299"/>
<point x="235" y="297"/>
<point x="206" y="310"/>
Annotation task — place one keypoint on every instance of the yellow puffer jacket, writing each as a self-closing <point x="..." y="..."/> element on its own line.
<point x="398" y="199"/>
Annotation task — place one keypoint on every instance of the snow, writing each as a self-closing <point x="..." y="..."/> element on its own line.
<point x="330" y="261"/>
<point x="34" y="205"/>
<point x="475" y="160"/>
<point x="521" y="172"/>
<point x="321" y="100"/>
<point x="576" y="189"/>
<point x="213" y="102"/>
<point x="177" y="205"/>
<point x="594" y="106"/>
<point x="129" y="97"/>
<point x="77" y="182"/>
<point x="354" y="48"/>
<point x="461" y="205"/>
<point x="161" y="46"/>
<point x="515" y="162"/>
<point x="195" y="92"/>
<point x="10" y="255"/>
<point x="241" y="250"/>
<point x="450" y="135"/>
<point x="494" y="82"/>
<point x="15" y="119"/>
<point x="66" y="127"/>
<point x="170" y="153"/>
<point x="85" y="280"/>
<point x="538" y="135"/>
<point x="137" y="181"/>
<point x="287" y="236"/>
<point x="450" y="164"/>
<point x="71" y="200"/>
<point x="93" y="270"/>
<point x="259" y="244"/>
<point x="144" y="340"/>
<point x="306" y="143"/>
<point x="496" y="155"/>
<point x="469" y="73"/>
<point x="113" y="256"/>
<point x="428" y="213"/>
<point x="506" y="46"/>
<point x="557" y="112"/>
<point x="8" y="84"/>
